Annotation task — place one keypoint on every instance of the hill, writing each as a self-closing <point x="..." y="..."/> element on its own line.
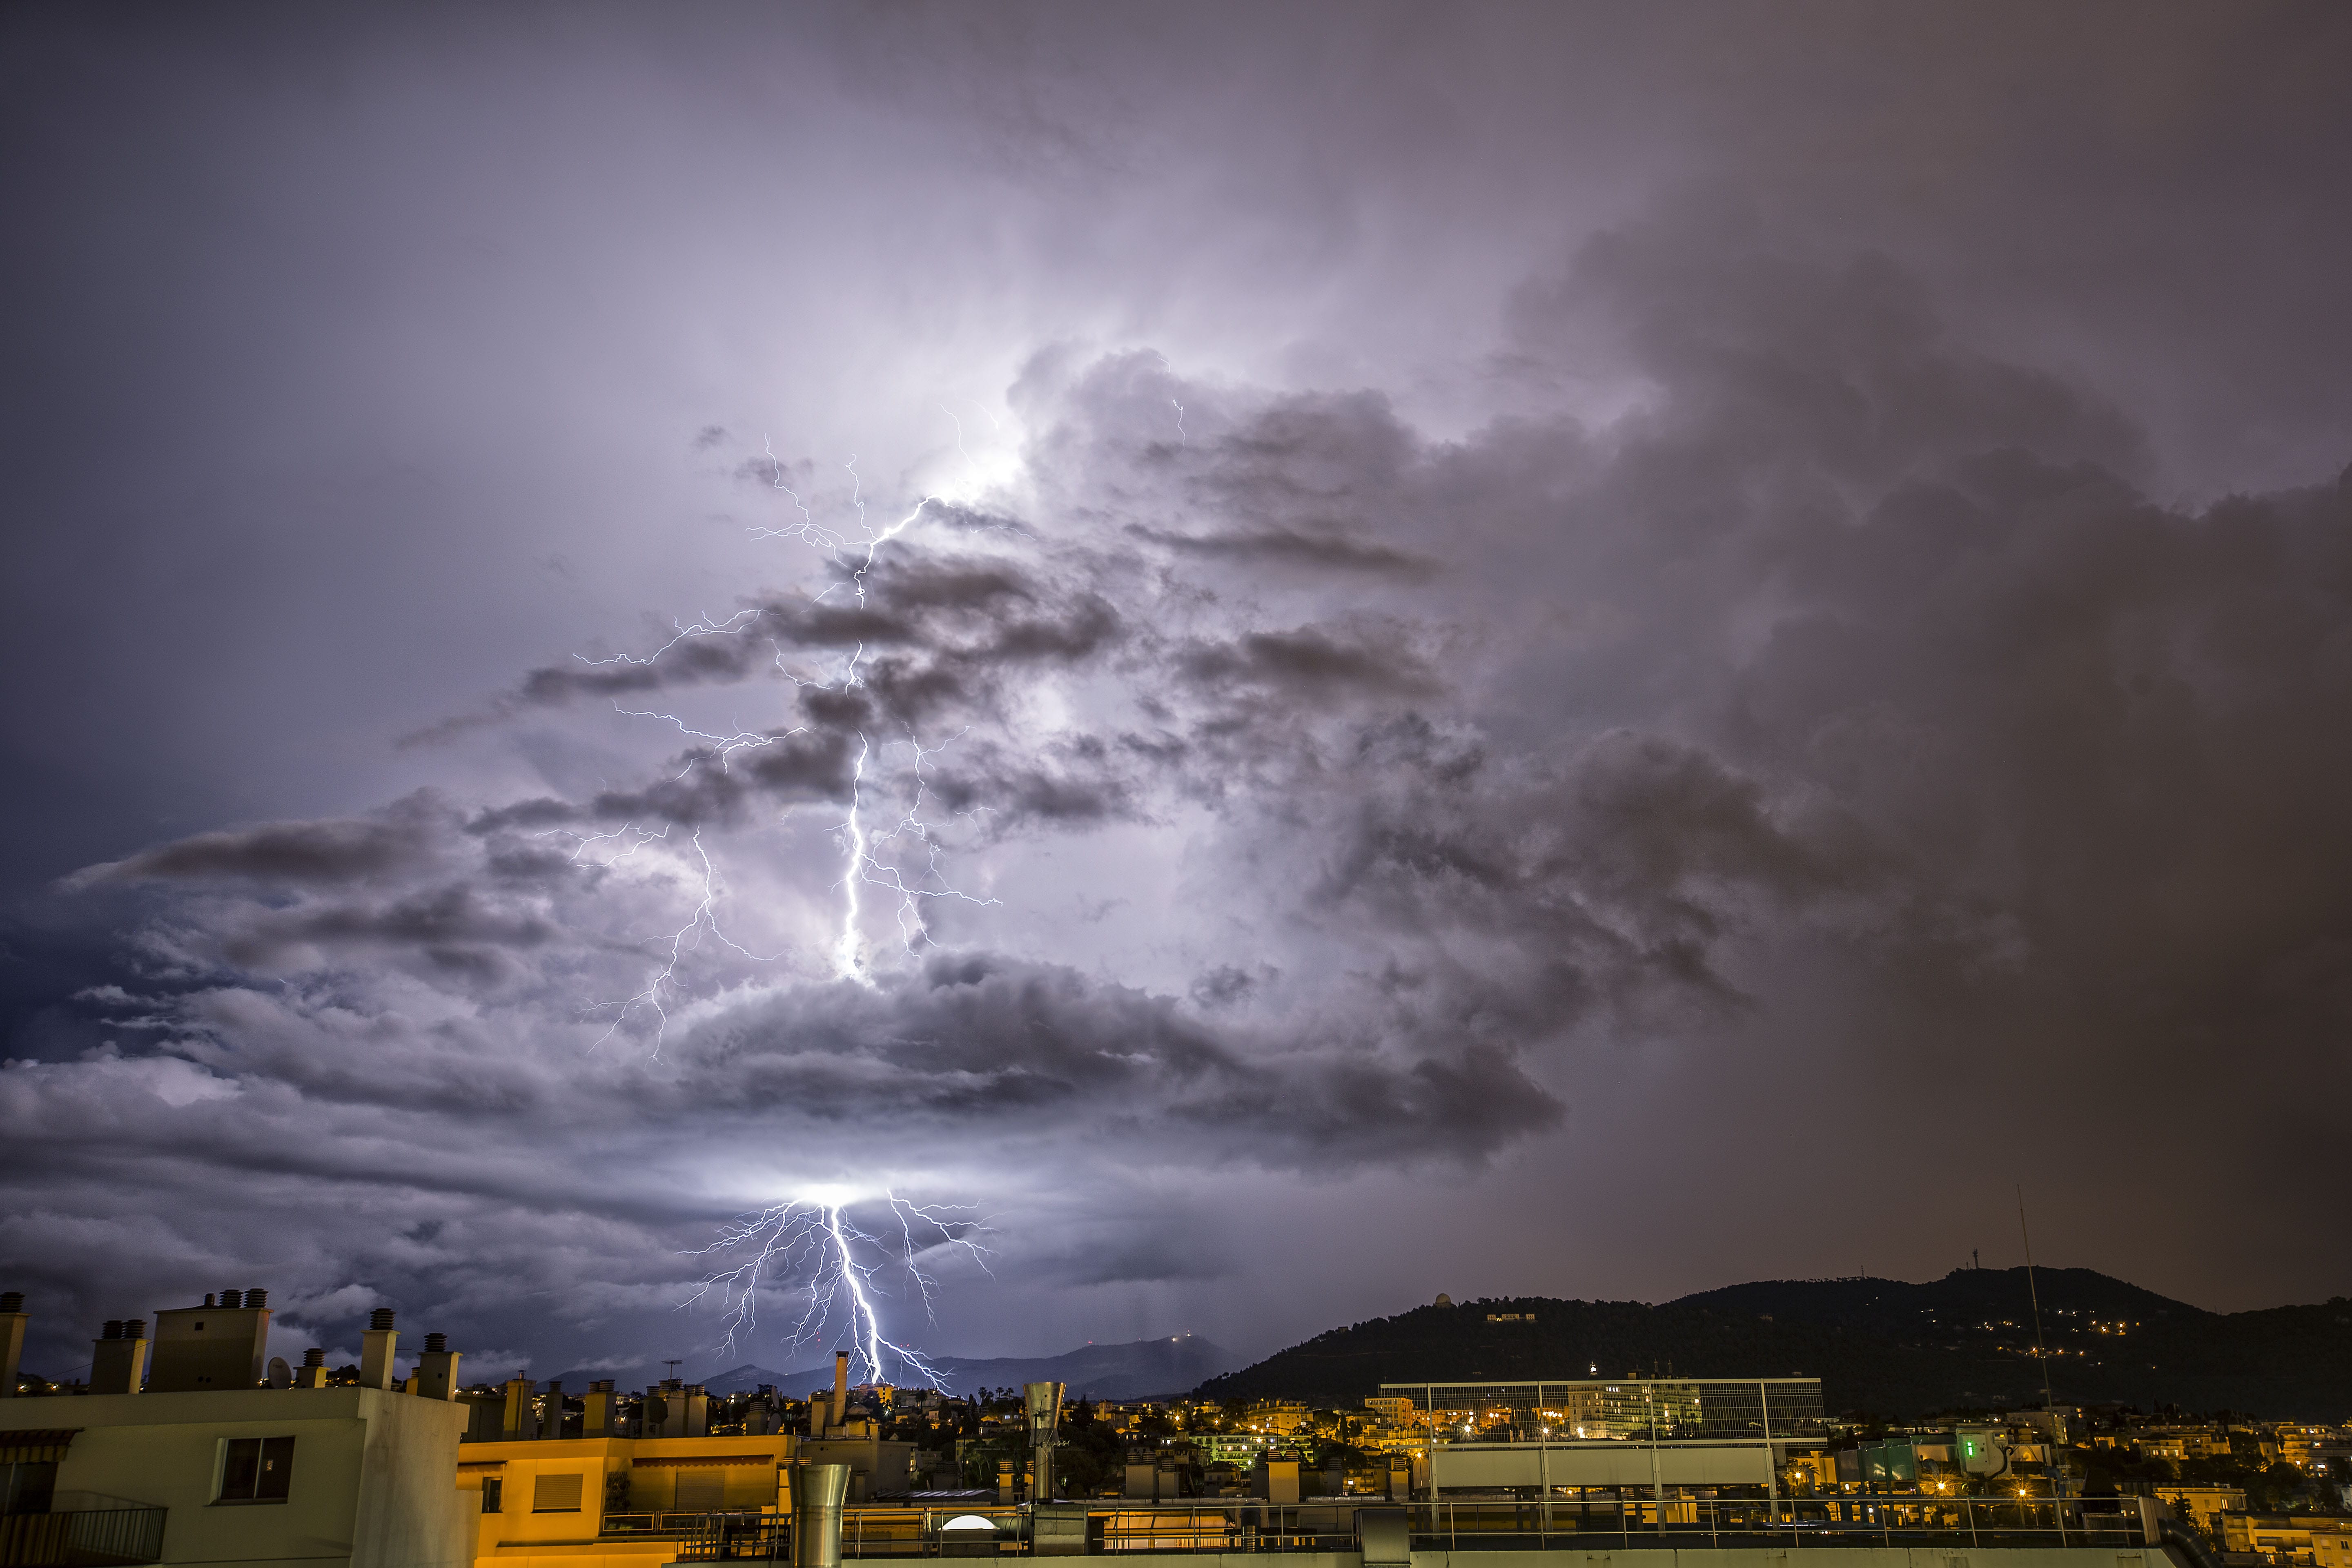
<point x="1140" y="1369"/>
<point x="1881" y="1346"/>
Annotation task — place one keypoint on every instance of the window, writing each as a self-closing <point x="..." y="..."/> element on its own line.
<point x="257" y="1470"/>
<point x="27" y="1485"/>
<point x="493" y="1493"/>
<point x="555" y="1494"/>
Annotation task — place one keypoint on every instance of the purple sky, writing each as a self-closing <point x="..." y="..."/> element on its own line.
<point x="1594" y="651"/>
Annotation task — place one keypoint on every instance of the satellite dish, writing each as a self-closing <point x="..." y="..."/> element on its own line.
<point x="280" y="1375"/>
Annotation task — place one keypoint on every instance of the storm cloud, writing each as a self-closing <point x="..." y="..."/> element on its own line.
<point x="1247" y="670"/>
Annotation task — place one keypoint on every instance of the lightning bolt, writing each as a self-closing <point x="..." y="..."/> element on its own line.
<point x="704" y="920"/>
<point x="854" y="553"/>
<point x="840" y="1264"/>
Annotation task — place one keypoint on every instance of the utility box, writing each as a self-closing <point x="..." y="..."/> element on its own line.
<point x="1058" y="1530"/>
<point x="1386" y="1536"/>
<point x="1979" y="1451"/>
<point x="1275" y="1477"/>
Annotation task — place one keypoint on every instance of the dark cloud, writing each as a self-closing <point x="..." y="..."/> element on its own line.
<point x="1289" y="547"/>
<point x="396" y="841"/>
<point x="1309" y="662"/>
<point x="1043" y="1053"/>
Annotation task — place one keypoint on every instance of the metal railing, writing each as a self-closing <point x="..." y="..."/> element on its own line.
<point x="651" y="1525"/>
<point x="760" y="1534"/>
<point x="1895" y="1519"/>
<point x="1470" y="1524"/>
<point x="98" y="1537"/>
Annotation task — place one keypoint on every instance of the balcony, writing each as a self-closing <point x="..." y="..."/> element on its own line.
<point x="83" y="1528"/>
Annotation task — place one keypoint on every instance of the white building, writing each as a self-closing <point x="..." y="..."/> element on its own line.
<point x="222" y="1469"/>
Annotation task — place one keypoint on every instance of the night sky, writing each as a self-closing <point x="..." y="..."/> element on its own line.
<point x="1594" y="651"/>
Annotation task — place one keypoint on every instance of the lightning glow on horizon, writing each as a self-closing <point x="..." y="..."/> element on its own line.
<point x="815" y="1238"/>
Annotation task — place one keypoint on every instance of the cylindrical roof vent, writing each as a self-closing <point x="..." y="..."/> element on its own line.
<point x="229" y="1298"/>
<point x="113" y="1329"/>
<point x="380" y="1319"/>
<point x="315" y="1356"/>
<point x="436" y="1341"/>
<point x="256" y="1298"/>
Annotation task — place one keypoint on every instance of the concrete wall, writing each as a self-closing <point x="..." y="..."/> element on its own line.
<point x="1840" y="1557"/>
<point x="409" y="1513"/>
<point x="1942" y="1556"/>
<point x="371" y="1487"/>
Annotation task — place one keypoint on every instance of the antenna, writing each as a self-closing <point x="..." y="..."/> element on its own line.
<point x="673" y="1369"/>
<point x="2048" y="1405"/>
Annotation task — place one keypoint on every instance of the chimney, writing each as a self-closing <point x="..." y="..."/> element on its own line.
<point x="697" y="1411"/>
<point x="376" y="1350"/>
<point x="550" y="1424"/>
<point x="12" y="1341"/>
<point x="206" y="1349"/>
<point x="117" y="1363"/>
<point x="840" y="1387"/>
<point x="436" y="1369"/>
<point x="596" y="1410"/>
<point x="521" y="1422"/>
<point x="312" y="1373"/>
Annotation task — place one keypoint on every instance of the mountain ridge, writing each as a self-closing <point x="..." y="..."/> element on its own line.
<point x="1137" y="1369"/>
<point x="1881" y="1346"/>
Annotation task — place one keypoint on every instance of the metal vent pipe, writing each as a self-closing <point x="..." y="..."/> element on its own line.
<point x="818" y="1493"/>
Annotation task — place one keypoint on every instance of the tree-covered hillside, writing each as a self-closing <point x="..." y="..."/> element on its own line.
<point x="1881" y="1346"/>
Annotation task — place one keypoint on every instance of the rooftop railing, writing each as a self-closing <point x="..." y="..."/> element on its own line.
<point x="1111" y="1527"/>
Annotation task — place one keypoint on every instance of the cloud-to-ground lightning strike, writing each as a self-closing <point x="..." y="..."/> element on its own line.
<point x="817" y="1238"/>
<point x="814" y="1238"/>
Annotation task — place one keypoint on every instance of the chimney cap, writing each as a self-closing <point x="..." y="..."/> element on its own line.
<point x="380" y="1319"/>
<point x="112" y="1331"/>
<point x="12" y="1301"/>
<point x="231" y="1299"/>
<point x="135" y="1328"/>
<point x="436" y="1341"/>
<point x="256" y="1299"/>
<point x="315" y="1356"/>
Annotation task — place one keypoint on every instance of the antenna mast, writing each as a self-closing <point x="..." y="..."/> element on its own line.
<point x="2048" y="1403"/>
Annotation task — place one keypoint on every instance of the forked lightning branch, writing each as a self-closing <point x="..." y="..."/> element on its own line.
<point x="811" y="1249"/>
